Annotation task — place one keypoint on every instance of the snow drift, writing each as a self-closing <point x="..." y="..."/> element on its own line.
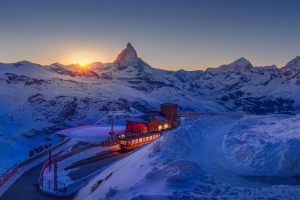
<point x="194" y="162"/>
<point x="268" y="146"/>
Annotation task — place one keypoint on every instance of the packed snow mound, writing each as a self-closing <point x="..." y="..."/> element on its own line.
<point x="265" y="145"/>
<point x="188" y="163"/>
<point x="91" y="133"/>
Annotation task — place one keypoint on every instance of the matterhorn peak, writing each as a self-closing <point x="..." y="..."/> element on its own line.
<point x="293" y="64"/>
<point x="127" y="55"/>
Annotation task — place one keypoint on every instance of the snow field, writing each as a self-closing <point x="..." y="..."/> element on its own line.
<point x="193" y="162"/>
<point x="92" y="134"/>
<point x="265" y="145"/>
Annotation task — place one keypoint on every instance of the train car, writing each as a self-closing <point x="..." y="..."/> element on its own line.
<point x="127" y="144"/>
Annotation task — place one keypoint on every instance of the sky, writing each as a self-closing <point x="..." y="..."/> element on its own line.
<point x="173" y="35"/>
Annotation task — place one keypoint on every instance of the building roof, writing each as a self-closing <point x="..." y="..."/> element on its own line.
<point x="147" y="117"/>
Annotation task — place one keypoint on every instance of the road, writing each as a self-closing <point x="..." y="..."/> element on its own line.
<point x="26" y="188"/>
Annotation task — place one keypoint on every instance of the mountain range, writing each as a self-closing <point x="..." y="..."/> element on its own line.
<point x="38" y="100"/>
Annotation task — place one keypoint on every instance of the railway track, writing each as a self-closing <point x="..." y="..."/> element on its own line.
<point x="100" y="156"/>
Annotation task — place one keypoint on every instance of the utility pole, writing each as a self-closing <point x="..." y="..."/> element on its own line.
<point x="55" y="175"/>
<point x="112" y="132"/>
<point x="49" y="160"/>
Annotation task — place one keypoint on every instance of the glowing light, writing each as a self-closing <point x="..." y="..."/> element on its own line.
<point x="82" y="65"/>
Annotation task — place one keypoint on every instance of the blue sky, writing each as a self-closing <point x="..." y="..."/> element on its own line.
<point x="190" y="35"/>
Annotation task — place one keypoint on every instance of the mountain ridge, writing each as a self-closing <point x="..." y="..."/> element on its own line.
<point x="39" y="100"/>
<point x="129" y="57"/>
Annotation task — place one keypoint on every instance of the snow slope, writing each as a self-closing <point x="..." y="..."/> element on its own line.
<point x="193" y="162"/>
<point x="36" y="101"/>
<point x="268" y="146"/>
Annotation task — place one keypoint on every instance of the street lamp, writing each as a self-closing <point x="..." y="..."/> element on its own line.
<point x="112" y="132"/>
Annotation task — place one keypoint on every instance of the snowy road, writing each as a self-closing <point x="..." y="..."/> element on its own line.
<point x="26" y="188"/>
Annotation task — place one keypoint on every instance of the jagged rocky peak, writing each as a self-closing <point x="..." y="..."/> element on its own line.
<point x="25" y="63"/>
<point x="241" y="61"/>
<point x="293" y="64"/>
<point x="239" y="64"/>
<point x="127" y="55"/>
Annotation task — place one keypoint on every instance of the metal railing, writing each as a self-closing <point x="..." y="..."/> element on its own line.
<point x="64" y="156"/>
<point x="64" y="190"/>
<point x="44" y="183"/>
<point x="6" y="176"/>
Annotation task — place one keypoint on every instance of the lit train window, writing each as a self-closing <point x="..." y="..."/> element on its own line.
<point x="140" y="140"/>
<point x="150" y="138"/>
<point x="147" y="138"/>
<point x="123" y="142"/>
<point x="129" y="143"/>
<point x="136" y="141"/>
<point x="132" y="142"/>
<point x="144" y="139"/>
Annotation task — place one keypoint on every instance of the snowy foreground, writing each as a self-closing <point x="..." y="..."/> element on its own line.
<point x="224" y="156"/>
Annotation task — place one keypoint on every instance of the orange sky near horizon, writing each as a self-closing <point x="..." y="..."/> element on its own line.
<point x="192" y="35"/>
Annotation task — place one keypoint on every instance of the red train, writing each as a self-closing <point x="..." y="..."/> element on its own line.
<point x="134" y="142"/>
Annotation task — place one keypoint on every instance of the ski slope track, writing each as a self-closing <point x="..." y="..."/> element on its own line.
<point x="192" y="163"/>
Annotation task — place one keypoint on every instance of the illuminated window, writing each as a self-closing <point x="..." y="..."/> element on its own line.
<point x="150" y="138"/>
<point x="132" y="142"/>
<point x="136" y="141"/>
<point x="147" y="138"/>
<point x="159" y="127"/>
<point x="140" y="140"/>
<point x="166" y="126"/>
<point x="129" y="143"/>
<point x="144" y="139"/>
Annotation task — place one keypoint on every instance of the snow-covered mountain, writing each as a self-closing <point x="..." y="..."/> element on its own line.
<point x="39" y="100"/>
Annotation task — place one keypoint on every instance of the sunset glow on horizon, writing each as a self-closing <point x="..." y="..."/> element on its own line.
<point x="168" y="35"/>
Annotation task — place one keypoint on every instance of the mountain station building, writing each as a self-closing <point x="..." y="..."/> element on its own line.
<point x="155" y="120"/>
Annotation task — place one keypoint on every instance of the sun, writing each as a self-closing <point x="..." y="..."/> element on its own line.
<point x="82" y="65"/>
